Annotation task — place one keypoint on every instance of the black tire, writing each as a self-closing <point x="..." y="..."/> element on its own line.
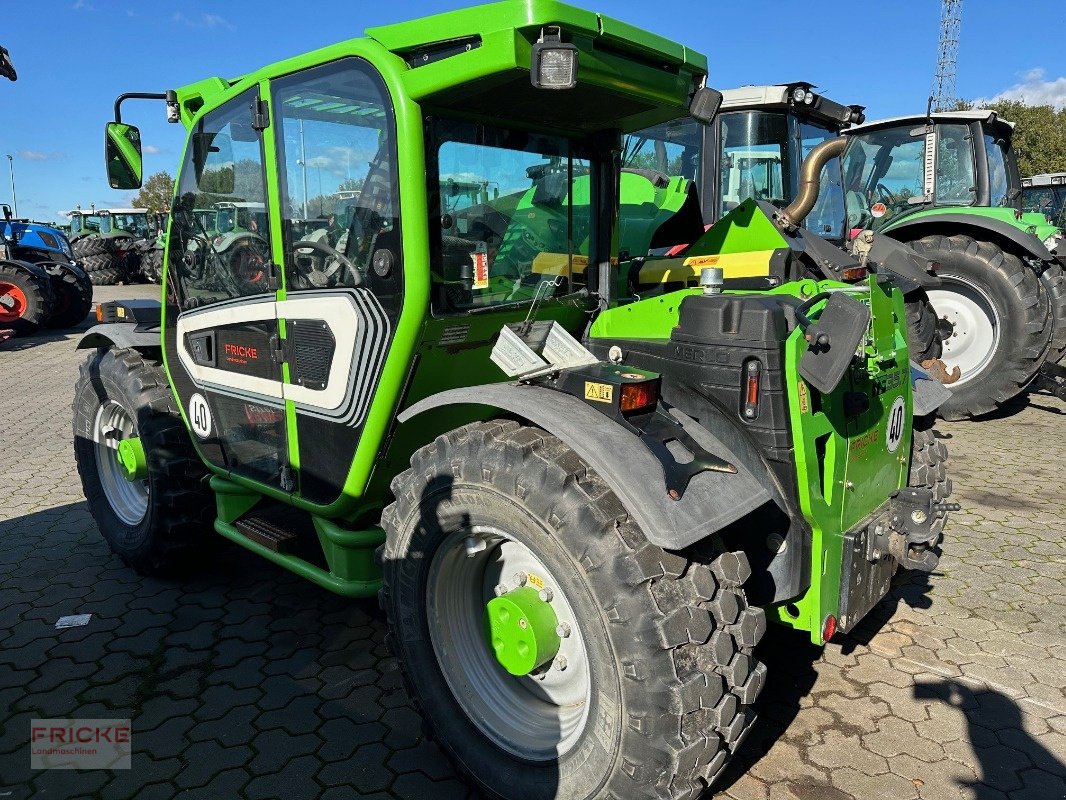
<point x="104" y="269"/>
<point x="177" y="523"/>
<point x="929" y="458"/>
<point x="1021" y="307"/>
<point x="923" y="334"/>
<point x="152" y="266"/>
<point x="90" y="246"/>
<point x="669" y="639"/>
<point x="1054" y="281"/>
<point x="73" y="293"/>
<point x="28" y="301"/>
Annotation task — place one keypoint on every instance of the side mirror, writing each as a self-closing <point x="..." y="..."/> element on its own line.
<point x="705" y="105"/>
<point x="122" y="155"/>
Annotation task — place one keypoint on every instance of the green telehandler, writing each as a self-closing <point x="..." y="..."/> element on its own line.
<point x="578" y="505"/>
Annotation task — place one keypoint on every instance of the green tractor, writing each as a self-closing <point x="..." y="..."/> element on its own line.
<point x="107" y="242"/>
<point x="1046" y="194"/>
<point x="578" y="505"/>
<point x="948" y="184"/>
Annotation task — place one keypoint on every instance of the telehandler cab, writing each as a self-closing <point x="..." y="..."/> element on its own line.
<point x="577" y="506"/>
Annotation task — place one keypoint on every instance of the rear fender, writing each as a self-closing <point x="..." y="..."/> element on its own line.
<point x="712" y="501"/>
<point x="122" y="334"/>
<point x="1009" y="237"/>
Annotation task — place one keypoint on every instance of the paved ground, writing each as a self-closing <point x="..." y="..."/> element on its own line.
<point x="250" y="683"/>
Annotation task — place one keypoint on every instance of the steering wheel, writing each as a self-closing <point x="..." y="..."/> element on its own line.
<point x="333" y="254"/>
<point x="884" y="194"/>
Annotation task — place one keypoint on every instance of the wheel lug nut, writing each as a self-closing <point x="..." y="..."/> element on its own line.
<point x="545" y="595"/>
<point x="559" y="663"/>
<point x="562" y="630"/>
<point x="520" y="578"/>
<point x="500" y="590"/>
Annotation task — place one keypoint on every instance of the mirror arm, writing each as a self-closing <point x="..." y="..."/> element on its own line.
<point x="170" y="96"/>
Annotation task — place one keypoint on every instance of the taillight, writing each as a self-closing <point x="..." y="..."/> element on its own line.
<point x="829" y="627"/>
<point x="99" y="312"/>
<point x="637" y="396"/>
<point x="854" y="273"/>
<point x="751" y="379"/>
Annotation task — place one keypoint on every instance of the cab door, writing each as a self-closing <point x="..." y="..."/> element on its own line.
<point x="343" y="278"/>
<point x="222" y="335"/>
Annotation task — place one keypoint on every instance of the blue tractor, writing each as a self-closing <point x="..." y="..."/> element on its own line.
<point x="41" y="284"/>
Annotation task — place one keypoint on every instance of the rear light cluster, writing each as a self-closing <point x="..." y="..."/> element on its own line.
<point x="854" y="273"/>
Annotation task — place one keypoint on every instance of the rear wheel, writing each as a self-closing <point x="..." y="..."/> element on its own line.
<point x="73" y="295"/>
<point x="993" y="319"/>
<point x="161" y="518"/>
<point x="152" y="265"/>
<point x="923" y="333"/>
<point x="103" y="269"/>
<point x="647" y="678"/>
<point x="1054" y="281"/>
<point x="90" y="246"/>
<point x="25" y="300"/>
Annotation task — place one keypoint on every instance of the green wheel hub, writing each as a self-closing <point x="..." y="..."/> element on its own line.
<point x="131" y="459"/>
<point x="522" y="630"/>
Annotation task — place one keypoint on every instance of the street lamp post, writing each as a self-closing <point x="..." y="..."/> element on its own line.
<point x="11" y="169"/>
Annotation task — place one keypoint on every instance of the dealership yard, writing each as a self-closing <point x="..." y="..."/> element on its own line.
<point x="246" y="681"/>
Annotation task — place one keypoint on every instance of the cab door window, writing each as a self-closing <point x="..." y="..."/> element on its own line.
<point x="222" y="175"/>
<point x="338" y="180"/>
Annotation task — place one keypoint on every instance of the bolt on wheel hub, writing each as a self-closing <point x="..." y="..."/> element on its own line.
<point x="522" y="630"/>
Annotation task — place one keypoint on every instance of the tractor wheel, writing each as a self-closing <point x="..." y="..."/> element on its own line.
<point x="90" y="246"/>
<point x="1054" y="280"/>
<point x="25" y="300"/>
<point x="929" y="458"/>
<point x="923" y="334"/>
<point x="73" y="294"/>
<point x="159" y="518"/>
<point x="103" y="269"/>
<point x="152" y="265"/>
<point x="552" y="650"/>
<point x="993" y="319"/>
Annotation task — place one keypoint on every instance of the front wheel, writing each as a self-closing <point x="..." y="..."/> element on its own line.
<point x="993" y="318"/>
<point x="552" y="650"/>
<point x="141" y="476"/>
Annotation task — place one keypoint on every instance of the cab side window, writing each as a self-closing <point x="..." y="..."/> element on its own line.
<point x="340" y="201"/>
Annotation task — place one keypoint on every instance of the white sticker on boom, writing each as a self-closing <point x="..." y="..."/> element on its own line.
<point x="896" y="420"/>
<point x="200" y="416"/>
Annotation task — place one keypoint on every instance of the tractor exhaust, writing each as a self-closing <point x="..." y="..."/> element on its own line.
<point x="794" y="213"/>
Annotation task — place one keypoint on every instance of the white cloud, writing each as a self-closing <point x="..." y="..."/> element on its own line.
<point x="1034" y="89"/>
<point x="37" y="155"/>
<point x="152" y="150"/>
<point x="81" y="5"/>
<point x="203" y="21"/>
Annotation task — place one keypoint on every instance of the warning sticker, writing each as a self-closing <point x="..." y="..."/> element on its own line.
<point x="804" y="397"/>
<point x="878" y="210"/>
<point x="701" y="261"/>
<point x="481" y="268"/>
<point x="599" y="392"/>
<point x="536" y="581"/>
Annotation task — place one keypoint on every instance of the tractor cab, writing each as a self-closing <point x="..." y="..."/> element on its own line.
<point x="1046" y="194"/>
<point x="110" y="222"/>
<point x="958" y="161"/>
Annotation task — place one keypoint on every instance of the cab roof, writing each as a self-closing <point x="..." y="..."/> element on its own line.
<point x="982" y="115"/>
<point x="477" y="61"/>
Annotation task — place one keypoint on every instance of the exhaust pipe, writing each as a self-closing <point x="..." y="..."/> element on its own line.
<point x="793" y="215"/>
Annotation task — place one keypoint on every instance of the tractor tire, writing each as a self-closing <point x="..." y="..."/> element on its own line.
<point x="923" y="334"/>
<point x="929" y="458"/>
<point x="73" y="293"/>
<point x="103" y="269"/>
<point x="1054" y="281"/>
<point x="163" y="522"/>
<point x="656" y="690"/>
<point x="152" y="266"/>
<point x="994" y="321"/>
<point x="26" y="300"/>
<point x="90" y="246"/>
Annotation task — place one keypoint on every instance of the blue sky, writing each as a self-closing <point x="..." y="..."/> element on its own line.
<point x="74" y="56"/>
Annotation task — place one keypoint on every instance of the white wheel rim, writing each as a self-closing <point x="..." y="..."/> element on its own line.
<point x="976" y="328"/>
<point x="534" y="718"/>
<point x="128" y="499"/>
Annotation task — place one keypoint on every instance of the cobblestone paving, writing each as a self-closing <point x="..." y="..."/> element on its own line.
<point x="246" y="682"/>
